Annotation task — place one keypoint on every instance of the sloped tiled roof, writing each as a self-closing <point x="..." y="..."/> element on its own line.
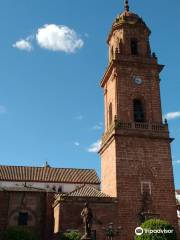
<point x="87" y="191"/>
<point x="48" y="174"/>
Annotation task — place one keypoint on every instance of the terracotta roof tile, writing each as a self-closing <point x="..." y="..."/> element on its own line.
<point x="48" y="174"/>
<point x="86" y="191"/>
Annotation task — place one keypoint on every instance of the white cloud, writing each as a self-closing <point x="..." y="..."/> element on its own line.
<point x="94" y="148"/>
<point x="172" y="115"/>
<point x="77" y="144"/>
<point x="58" y="38"/>
<point x="3" y="109"/>
<point x="97" y="126"/>
<point x="24" y="44"/>
<point x="79" y="118"/>
<point x="176" y="162"/>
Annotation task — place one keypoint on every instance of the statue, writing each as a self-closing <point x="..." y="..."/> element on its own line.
<point x="87" y="216"/>
<point x="147" y="207"/>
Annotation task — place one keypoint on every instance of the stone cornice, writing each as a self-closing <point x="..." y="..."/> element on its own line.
<point x="139" y="130"/>
<point x="126" y="61"/>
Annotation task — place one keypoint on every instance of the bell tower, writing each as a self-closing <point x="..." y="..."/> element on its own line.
<point x="135" y="152"/>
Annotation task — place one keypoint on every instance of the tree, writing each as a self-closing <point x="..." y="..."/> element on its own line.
<point x="156" y="229"/>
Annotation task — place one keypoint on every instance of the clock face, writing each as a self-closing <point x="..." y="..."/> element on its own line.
<point x="138" y="80"/>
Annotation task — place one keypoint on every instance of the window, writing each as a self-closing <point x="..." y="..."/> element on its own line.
<point x="60" y="189"/>
<point x="110" y="114"/>
<point x="134" y="47"/>
<point x="121" y="46"/>
<point x="138" y="111"/>
<point x="112" y="53"/>
<point x="23" y="219"/>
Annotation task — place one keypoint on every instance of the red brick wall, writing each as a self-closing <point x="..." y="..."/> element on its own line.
<point x="121" y="90"/>
<point x="108" y="170"/>
<point x="148" y="92"/>
<point x="140" y="160"/>
<point x="49" y="216"/>
<point x="4" y="204"/>
<point x="104" y="212"/>
<point x="145" y="160"/>
<point x="38" y="204"/>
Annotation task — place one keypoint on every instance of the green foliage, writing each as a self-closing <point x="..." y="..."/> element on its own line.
<point x="156" y="224"/>
<point x="71" y="236"/>
<point x="18" y="234"/>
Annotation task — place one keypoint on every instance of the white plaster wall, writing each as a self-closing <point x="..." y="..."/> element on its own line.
<point x="178" y="197"/>
<point x="66" y="187"/>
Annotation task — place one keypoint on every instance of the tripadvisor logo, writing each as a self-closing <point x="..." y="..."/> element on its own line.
<point x="139" y="231"/>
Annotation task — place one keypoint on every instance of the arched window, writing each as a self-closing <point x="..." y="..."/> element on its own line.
<point x="138" y="111"/>
<point x="134" y="46"/>
<point x="121" y="46"/>
<point x="23" y="218"/>
<point x="110" y="114"/>
<point x="112" y="53"/>
<point x="148" y="49"/>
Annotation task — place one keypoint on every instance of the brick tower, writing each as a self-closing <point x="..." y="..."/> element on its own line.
<point x="135" y="150"/>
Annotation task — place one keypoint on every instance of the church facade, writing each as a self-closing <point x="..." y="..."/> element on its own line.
<point x="136" y="165"/>
<point x="27" y="195"/>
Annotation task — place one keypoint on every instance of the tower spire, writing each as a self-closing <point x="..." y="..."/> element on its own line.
<point x="126" y="5"/>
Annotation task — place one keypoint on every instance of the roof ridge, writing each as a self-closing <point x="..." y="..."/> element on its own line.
<point x="19" y="166"/>
<point x="77" y="189"/>
<point x="97" y="190"/>
<point x="89" y="187"/>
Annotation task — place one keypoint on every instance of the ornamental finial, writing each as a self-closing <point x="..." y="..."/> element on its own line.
<point x="126" y="5"/>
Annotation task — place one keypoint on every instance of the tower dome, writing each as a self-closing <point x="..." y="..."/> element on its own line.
<point x="129" y="35"/>
<point x="127" y="15"/>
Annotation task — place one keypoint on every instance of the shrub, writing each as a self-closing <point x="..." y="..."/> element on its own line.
<point x="71" y="236"/>
<point x="156" y="224"/>
<point x="18" y="234"/>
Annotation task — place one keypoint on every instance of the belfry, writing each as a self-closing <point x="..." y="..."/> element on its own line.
<point x="135" y="151"/>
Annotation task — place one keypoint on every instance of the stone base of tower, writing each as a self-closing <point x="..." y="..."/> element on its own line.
<point x="137" y="169"/>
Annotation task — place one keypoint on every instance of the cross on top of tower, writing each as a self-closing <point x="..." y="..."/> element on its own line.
<point x="126" y="5"/>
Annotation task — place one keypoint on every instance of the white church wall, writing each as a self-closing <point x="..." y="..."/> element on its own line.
<point x="178" y="196"/>
<point x="61" y="187"/>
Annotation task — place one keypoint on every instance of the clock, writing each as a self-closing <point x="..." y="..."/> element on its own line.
<point x="137" y="80"/>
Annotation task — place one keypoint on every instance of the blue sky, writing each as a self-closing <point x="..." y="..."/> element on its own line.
<point x="51" y="105"/>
